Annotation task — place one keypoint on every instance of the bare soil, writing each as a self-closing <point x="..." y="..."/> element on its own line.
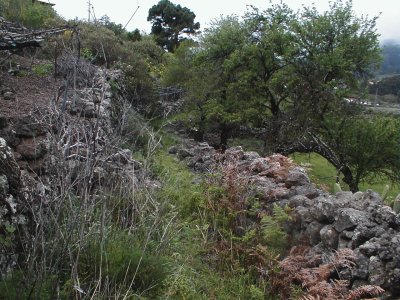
<point x="31" y="91"/>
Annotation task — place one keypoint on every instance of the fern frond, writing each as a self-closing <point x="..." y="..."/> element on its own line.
<point x="281" y="214"/>
<point x="365" y="291"/>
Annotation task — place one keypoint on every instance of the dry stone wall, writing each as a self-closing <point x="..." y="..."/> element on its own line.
<point x="70" y="145"/>
<point x="322" y="221"/>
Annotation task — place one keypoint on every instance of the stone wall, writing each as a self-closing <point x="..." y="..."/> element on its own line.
<point x="70" y="145"/>
<point x="322" y="221"/>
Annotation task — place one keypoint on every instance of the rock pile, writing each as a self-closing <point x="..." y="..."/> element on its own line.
<point x="325" y="222"/>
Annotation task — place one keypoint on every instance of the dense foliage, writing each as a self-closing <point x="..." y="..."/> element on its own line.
<point x="29" y="13"/>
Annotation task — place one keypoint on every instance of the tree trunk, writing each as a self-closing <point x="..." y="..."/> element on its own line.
<point x="224" y="135"/>
<point x="316" y="145"/>
<point x="198" y="135"/>
<point x="349" y="179"/>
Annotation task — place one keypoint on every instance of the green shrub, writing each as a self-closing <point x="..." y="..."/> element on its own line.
<point x="43" y="69"/>
<point x="101" y="46"/>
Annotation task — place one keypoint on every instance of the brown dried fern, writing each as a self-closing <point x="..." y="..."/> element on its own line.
<point x="365" y="291"/>
<point x="303" y="269"/>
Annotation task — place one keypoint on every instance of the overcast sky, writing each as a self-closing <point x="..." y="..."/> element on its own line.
<point x="120" y="11"/>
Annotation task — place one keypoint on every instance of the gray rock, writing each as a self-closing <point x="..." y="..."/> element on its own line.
<point x="343" y="199"/>
<point x="305" y="216"/>
<point x="184" y="153"/>
<point x="307" y="190"/>
<point x="344" y="242"/>
<point x="234" y="153"/>
<point x="9" y="167"/>
<point x="313" y="232"/>
<point x="375" y="270"/>
<point x="250" y="155"/>
<point x="366" y="201"/>
<point x="329" y="237"/>
<point x="324" y="210"/>
<point x="384" y="214"/>
<point x="3" y="186"/>
<point x="362" y="234"/>
<point x="262" y="185"/>
<point x="296" y="178"/>
<point x="349" y="218"/>
<point x="9" y="96"/>
<point x="298" y="200"/>
<point x="362" y="263"/>
<point x="173" y="149"/>
<point x="9" y="136"/>
<point x="394" y="282"/>
<point x="28" y="126"/>
<point x="205" y="152"/>
<point x="369" y="248"/>
<point x="259" y="165"/>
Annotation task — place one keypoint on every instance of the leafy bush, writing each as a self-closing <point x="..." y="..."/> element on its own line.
<point x="101" y="45"/>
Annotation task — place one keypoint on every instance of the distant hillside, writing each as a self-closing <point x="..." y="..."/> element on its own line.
<point x="386" y="85"/>
<point x="391" y="58"/>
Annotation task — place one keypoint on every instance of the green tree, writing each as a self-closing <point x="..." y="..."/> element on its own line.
<point x="263" y="63"/>
<point x="370" y="147"/>
<point x="223" y="110"/>
<point x="335" y="51"/>
<point x="134" y="36"/>
<point x="202" y="72"/>
<point x="291" y="73"/>
<point x="362" y="148"/>
<point x="183" y="72"/>
<point x="170" y="22"/>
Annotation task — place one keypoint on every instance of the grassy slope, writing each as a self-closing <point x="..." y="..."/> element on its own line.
<point x="191" y="276"/>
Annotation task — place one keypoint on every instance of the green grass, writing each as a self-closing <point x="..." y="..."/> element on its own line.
<point x="191" y="276"/>
<point x="323" y="174"/>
